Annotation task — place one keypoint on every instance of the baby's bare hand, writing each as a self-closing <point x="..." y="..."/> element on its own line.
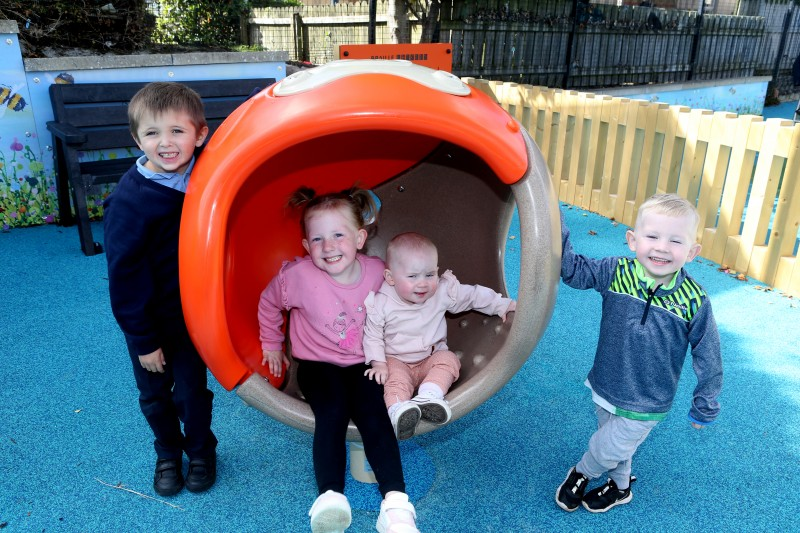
<point x="379" y="372"/>
<point x="511" y="308"/>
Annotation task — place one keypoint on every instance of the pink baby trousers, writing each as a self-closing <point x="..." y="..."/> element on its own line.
<point x="441" y="369"/>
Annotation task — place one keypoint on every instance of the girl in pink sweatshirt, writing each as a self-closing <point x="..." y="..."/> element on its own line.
<point x="324" y="293"/>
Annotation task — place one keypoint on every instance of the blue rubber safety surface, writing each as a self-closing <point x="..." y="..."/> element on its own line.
<point x="782" y="110"/>
<point x="76" y="454"/>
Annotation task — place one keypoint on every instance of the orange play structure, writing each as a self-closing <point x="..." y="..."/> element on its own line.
<point x="443" y="159"/>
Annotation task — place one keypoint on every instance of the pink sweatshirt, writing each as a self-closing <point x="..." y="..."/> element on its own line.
<point x="412" y="332"/>
<point x="326" y="319"/>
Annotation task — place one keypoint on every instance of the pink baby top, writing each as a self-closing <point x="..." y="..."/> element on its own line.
<point x="326" y="319"/>
<point x="412" y="332"/>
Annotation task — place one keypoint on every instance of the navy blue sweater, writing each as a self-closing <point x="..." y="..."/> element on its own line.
<point x="142" y="222"/>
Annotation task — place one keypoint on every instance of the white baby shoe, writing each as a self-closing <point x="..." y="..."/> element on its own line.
<point x="330" y="513"/>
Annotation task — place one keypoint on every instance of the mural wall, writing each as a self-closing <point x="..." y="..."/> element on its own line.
<point x="743" y="96"/>
<point x="27" y="185"/>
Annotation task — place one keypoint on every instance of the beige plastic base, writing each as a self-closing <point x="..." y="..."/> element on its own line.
<point x="359" y="467"/>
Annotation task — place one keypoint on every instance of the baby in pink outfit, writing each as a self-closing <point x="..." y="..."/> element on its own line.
<point x="405" y="334"/>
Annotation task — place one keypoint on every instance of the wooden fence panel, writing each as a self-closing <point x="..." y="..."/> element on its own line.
<point x="698" y="130"/>
<point x="596" y="141"/>
<point x="782" y="246"/>
<point x="565" y="107"/>
<point x="629" y="116"/>
<point x="717" y="158"/>
<point x="576" y="149"/>
<point x="775" y="147"/>
<point x="610" y="154"/>
<point x="671" y="147"/>
<point x="601" y="200"/>
<point x="734" y="196"/>
<point x="543" y="125"/>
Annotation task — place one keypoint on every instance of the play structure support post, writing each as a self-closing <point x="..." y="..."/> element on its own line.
<point x="359" y="466"/>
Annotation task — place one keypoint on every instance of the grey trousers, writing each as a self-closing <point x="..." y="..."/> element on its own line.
<point x="612" y="446"/>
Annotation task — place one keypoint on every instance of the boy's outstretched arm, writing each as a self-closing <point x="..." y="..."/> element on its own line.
<point x="579" y="271"/>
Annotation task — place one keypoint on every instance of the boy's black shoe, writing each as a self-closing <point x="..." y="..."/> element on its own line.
<point x="605" y="497"/>
<point x="570" y="493"/>
<point x="202" y="474"/>
<point x="168" y="479"/>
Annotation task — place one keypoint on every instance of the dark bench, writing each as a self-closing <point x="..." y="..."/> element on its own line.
<point x="94" y="116"/>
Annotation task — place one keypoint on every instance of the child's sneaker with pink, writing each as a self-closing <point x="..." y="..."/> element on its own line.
<point x="397" y="515"/>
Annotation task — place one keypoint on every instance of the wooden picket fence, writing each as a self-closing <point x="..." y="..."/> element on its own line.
<point x="608" y="154"/>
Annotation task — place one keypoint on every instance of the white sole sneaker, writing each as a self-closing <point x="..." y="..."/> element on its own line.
<point x="330" y="513"/>
<point x="405" y="420"/>
<point x="433" y="410"/>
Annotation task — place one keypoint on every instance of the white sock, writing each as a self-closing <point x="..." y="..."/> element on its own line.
<point x="430" y="390"/>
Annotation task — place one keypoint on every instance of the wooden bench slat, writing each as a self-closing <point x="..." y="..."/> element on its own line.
<point x="116" y="113"/>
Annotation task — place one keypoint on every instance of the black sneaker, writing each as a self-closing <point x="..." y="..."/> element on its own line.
<point x="570" y="493"/>
<point x="168" y="478"/>
<point x="202" y="474"/>
<point x="605" y="497"/>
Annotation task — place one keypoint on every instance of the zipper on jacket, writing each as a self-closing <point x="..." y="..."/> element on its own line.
<point x="650" y="295"/>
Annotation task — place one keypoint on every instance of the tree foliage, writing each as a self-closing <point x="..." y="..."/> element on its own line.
<point x="200" y="22"/>
<point x="50" y="27"/>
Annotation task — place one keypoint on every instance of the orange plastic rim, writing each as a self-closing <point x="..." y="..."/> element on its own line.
<point x="235" y="232"/>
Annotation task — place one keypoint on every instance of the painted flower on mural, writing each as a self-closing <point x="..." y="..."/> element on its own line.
<point x="24" y="200"/>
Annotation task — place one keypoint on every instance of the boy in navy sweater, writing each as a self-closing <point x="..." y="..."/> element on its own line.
<point x="652" y="312"/>
<point x="141" y="222"/>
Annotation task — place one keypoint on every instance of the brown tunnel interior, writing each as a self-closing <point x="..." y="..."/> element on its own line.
<point x="457" y="201"/>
